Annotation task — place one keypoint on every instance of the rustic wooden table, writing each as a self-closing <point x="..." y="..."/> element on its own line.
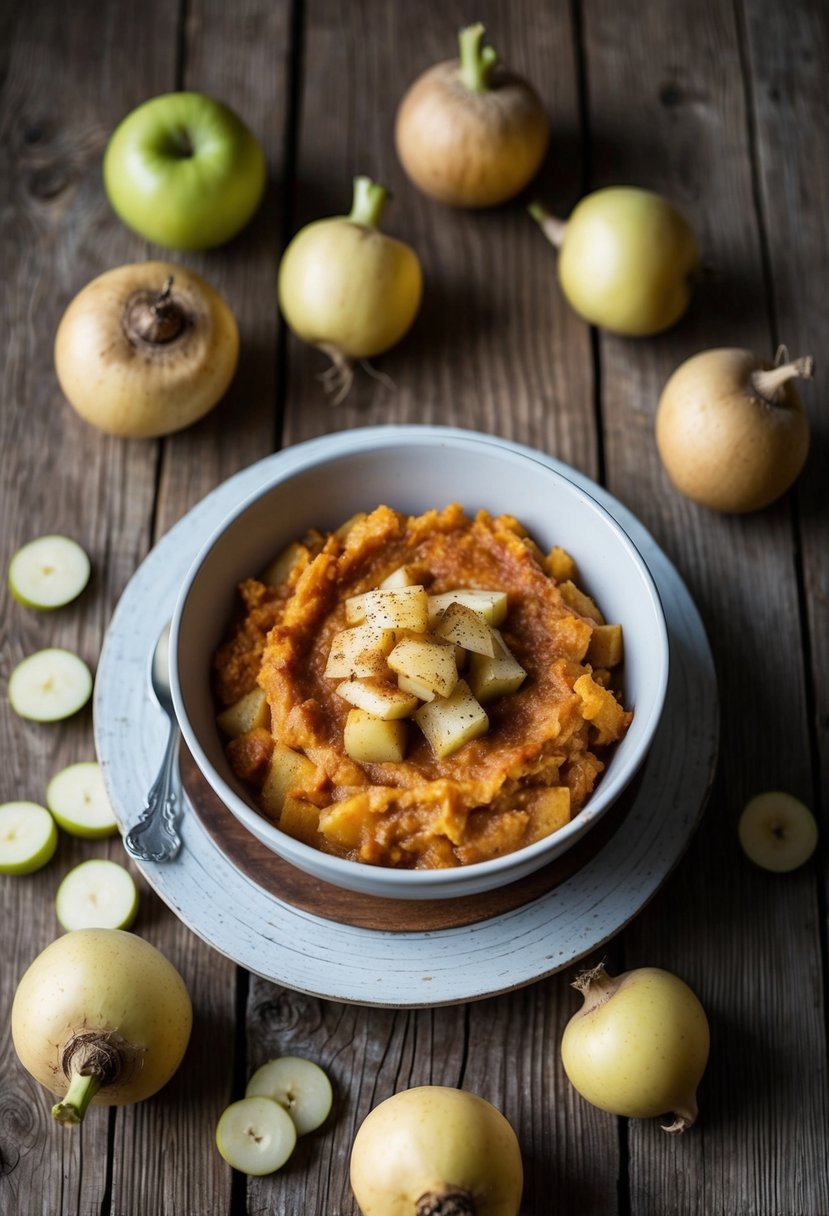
<point x="720" y="106"/>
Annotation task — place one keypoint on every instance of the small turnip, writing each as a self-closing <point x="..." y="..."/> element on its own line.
<point x="639" y="1044"/>
<point x="100" y="1016"/>
<point x="432" y="1150"/>
<point x="731" y="429"/>
<point x="626" y="259"/>
<point x="469" y="132"/>
<point x="347" y="288"/>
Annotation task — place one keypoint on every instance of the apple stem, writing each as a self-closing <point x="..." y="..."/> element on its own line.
<point x="476" y="61"/>
<point x="769" y="384"/>
<point x="368" y="202"/>
<point x="552" y="227"/>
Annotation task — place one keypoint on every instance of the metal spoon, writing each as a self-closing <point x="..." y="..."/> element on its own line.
<point x="155" y="837"/>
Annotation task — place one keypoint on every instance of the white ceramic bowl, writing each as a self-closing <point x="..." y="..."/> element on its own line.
<point x="413" y="468"/>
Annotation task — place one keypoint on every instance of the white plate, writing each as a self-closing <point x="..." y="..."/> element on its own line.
<point x="366" y="966"/>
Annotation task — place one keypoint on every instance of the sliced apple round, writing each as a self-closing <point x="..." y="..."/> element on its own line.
<point x="298" y="1085"/>
<point x="49" y="685"/>
<point x="48" y="572"/>
<point x="77" y="798"/>
<point x="97" y="894"/>
<point x="777" y="831"/>
<point x="28" y="837"/>
<point x="255" y="1135"/>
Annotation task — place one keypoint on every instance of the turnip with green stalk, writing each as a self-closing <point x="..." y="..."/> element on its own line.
<point x="347" y="288"/>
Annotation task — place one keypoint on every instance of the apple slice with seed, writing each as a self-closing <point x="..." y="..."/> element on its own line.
<point x="255" y="1135"/>
<point x="77" y="798"/>
<point x="298" y="1085"/>
<point x="48" y="572"/>
<point x="97" y="894"/>
<point x="777" y="831"/>
<point x="49" y="685"/>
<point x="28" y="837"/>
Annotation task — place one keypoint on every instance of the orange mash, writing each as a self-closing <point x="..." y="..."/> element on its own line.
<point x="526" y="776"/>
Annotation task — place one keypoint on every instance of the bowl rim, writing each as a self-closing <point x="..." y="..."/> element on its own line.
<point x="340" y="871"/>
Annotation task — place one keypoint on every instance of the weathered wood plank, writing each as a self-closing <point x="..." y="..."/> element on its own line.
<point x="682" y="129"/>
<point x="67" y="77"/>
<point x="240" y="55"/>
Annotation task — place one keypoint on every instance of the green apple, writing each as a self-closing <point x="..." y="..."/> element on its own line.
<point x="255" y="1135"/>
<point x="183" y="170"/>
<point x="77" y="798"/>
<point x="298" y="1085"/>
<point x="49" y="685"/>
<point x="28" y="837"/>
<point x="48" y="572"/>
<point x="97" y="894"/>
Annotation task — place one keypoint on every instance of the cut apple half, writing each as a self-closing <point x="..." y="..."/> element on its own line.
<point x="255" y="1135"/>
<point x="49" y="685"/>
<point x="97" y="894"/>
<point x="28" y="837"/>
<point x="777" y="831"/>
<point x="48" y="572"/>
<point x="300" y="1086"/>
<point x="77" y="798"/>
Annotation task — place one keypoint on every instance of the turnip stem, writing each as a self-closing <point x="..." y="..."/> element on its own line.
<point x="767" y="384"/>
<point x="72" y="1107"/>
<point x="552" y="227"/>
<point x="477" y="61"/>
<point x="368" y="202"/>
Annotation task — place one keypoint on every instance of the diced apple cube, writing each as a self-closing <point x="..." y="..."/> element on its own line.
<point x="496" y="676"/>
<point x="359" y="652"/>
<point x="301" y="820"/>
<point x="426" y="661"/>
<point x="371" y="740"/>
<point x="491" y="605"/>
<point x="416" y="688"/>
<point x="464" y="627"/>
<point x="606" y="648"/>
<point x="403" y="576"/>
<point x="246" y="714"/>
<point x="288" y="772"/>
<point x="382" y="700"/>
<point x="282" y="565"/>
<point x="449" y="722"/>
<point x="575" y="598"/>
<point x="394" y="608"/>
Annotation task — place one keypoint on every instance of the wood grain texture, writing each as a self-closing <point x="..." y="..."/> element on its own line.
<point x="722" y="106"/>
<point x="684" y="132"/>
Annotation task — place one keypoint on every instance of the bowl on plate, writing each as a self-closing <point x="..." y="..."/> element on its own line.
<point x="413" y="469"/>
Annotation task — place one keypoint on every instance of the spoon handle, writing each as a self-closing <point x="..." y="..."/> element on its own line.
<point x="154" y="837"/>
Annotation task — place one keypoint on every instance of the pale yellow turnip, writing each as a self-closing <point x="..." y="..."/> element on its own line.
<point x="100" y="1016"/>
<point x="146" y="349"/>
<point x="639" y="1044"/>
<point x="435" y="1149"/>
<point x="731" y="429"/>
